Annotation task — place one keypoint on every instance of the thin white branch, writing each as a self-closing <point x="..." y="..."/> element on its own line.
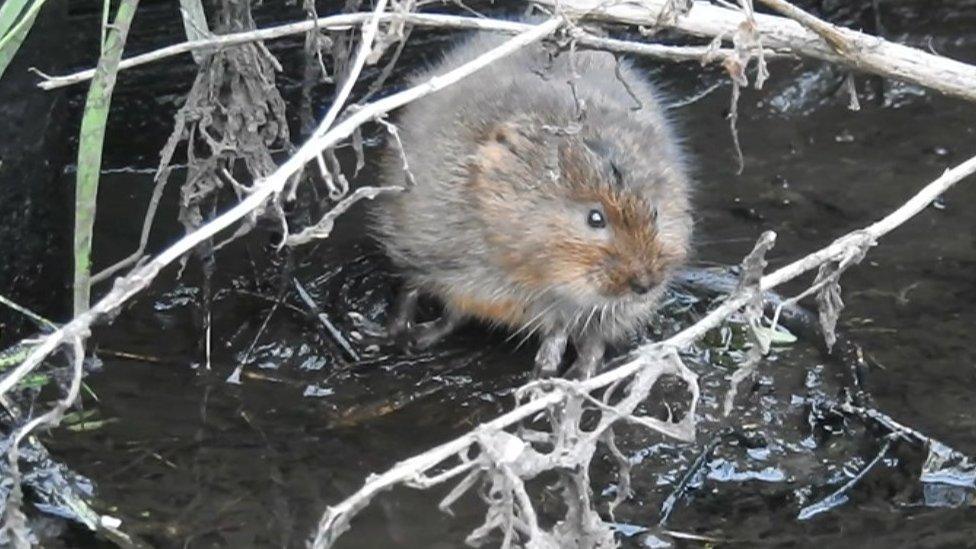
<point x="323" y="228"/>
<point x="432" y="20"/>
<point x="645" y="356"/>
<point x="127" y="287"/>
<point x="847" y="47"/>
<point x="38" y="319"/>
<point x="364" y="51"/>
<point x="370" y="28"/>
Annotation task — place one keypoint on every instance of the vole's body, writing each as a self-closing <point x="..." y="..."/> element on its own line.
<point x="515" y="169"/>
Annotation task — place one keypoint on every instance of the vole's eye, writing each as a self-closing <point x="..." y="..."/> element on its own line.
<point x="654" y="214"/>
<point x="596" y="219"/>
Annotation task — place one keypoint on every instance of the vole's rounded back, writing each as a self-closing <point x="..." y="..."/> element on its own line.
<point x="548" y="196"/>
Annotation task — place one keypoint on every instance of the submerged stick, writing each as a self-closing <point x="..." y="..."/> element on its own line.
<point x="39" y="320"/>
<point x="337" y="336"/>
<point x="839" y="496"/>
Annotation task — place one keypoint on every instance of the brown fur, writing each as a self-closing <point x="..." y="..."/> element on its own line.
<point x="502" y="312"/>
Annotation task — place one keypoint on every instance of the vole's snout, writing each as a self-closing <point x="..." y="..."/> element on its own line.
<point x="645" y="282"/>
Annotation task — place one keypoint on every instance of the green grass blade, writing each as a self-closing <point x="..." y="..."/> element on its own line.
<point x="13" y="35"/>
<point x="90" y="143"/>
<point x="9" y="11"/>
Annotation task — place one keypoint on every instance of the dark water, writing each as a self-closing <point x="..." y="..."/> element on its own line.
<point x="189" y="460"/>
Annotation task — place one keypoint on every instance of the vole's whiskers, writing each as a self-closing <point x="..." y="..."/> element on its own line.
<point x="589" y="318"/>
<point x="528" y="335"/>
<point x="532" y="325"/>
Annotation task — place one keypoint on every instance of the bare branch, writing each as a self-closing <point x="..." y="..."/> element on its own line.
<point x="432" y="20"/>
<point x="847" y="47"/>
<point x="362" y="54"/>
<point x="36" y="318"/>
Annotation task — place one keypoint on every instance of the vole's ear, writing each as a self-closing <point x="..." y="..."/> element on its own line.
<point x="500" y="144"/>
<point x="604" y="152"/>
<point x="599" y="147"/>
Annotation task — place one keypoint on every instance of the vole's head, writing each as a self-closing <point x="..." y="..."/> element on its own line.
<point x="597" y="218"/>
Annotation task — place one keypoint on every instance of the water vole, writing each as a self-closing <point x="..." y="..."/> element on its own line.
<point x="542" y="206"/>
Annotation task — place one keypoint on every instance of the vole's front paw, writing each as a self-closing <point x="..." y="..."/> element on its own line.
<point x="589" y="358"/>
<point x="422" y="337"/>
<point x="550" y="355"/>
<point x="397" y="330"/>
<point x="401" y="316"/>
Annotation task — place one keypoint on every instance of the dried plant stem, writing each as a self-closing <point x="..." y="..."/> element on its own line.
<point x="323" y="227"/>
<point x="906" y="211"/>
<point x="431" y="20"/>
<point x="336" y="518"/>
<point x="847" y="47"/>
<point x="36" y="318"/>
<point x="362" y="53"/>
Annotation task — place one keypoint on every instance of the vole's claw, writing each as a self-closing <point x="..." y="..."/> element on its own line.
<point x="589" y="357"/>
<point x="543" y="371"/>
<point x="423" y="336"/>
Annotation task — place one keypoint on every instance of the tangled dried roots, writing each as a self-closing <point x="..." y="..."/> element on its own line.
<point x="232" y="123"/>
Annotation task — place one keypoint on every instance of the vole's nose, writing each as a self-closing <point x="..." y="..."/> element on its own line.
<point x="645" y="282"/>
<point x="639" y="287"/>
<point x="641" y="284"/>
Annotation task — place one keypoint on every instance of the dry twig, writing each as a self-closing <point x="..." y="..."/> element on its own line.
<point x="853" y="49"/>
<point x="431" y="20"/>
